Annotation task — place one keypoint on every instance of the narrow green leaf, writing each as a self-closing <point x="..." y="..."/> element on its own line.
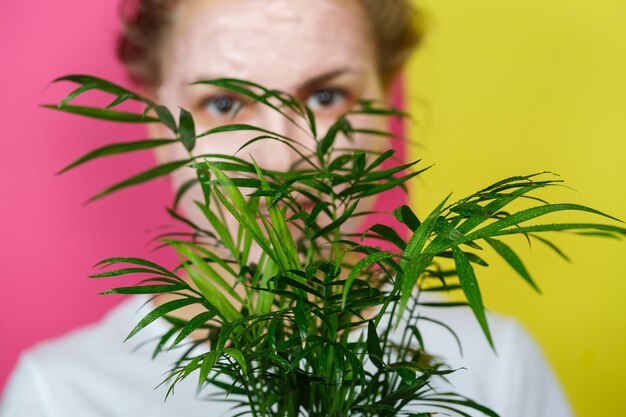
<point x="302" y="323"/>
<point x="145" y="289"/>
<point x="392" y="183"/>
<point x="97" y="113"/>
<point x="150" y="174"/>
<point x="117" y="148"/>
<point x="187" y="129"/>
<point x="359" y="266"/>
<point x="405" y="215"/>
<point x="341" y="125"/>
<point x="529" y="214"/>
<point x="136" y="261"/>
<point x="165" y="116"/>
<point x="552" y="246"/>
<point x="513" y="260"/>
<point x="215" y="297"/>
<point x="193" y="325"/>
<point x="161" y="311"/>
<point x="335" y="224"/>
<point x="220" y="228"/>
<point x="101" y="84"/>
<point x="469" y="284"/>
<point x="182" y="190"/>
<point x="382" y="158"/>
<point x="242" y="213"/>
<point x="119" y="100"/>
<point x="559" y="227"/>
<point x="339" y="371"/>
<point x="80" y="90"/>
<point x="238" y="356"/>
<point x="162" y="341"/>
<point x="124" y="271"/>
<point x="210" y="358"/>
<point x="373" y="346"/>
<point x="389" y="235"/>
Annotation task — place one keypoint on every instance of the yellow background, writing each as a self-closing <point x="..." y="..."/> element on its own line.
<point x="502" y="88"/>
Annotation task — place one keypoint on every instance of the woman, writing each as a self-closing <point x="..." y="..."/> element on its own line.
<point x="328" y="53"/>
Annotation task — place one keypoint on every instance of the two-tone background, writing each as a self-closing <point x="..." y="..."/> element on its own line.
<point x="499" y="88"/>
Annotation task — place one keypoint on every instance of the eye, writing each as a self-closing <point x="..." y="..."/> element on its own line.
<point x="326" y="99"/>
<point x="222" y="106"/>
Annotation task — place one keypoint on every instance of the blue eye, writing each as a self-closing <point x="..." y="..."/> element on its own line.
<point x="325" y="99"/>
<point x="223" y="106"/>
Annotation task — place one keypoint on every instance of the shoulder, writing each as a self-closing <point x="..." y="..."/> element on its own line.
<point x="515" y="378"/>
<point x="94" y="343"/>
<point x="91" y="372"/>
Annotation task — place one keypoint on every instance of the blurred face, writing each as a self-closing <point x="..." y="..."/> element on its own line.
<point x="317" y="50"/>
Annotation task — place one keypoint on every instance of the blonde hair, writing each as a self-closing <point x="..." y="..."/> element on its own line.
<point x="397" y="28"/>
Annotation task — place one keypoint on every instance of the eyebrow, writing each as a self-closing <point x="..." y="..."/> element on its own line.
<point x="308" y="84"/>
<point x="322" y="78"/>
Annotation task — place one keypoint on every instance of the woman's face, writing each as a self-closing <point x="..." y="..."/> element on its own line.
<point x="320" y="51"/>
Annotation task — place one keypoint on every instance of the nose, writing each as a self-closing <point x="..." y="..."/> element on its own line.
<point x="277" y="154"/>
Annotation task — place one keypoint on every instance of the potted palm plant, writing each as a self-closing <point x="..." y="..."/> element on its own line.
<point x="322" y="323"/>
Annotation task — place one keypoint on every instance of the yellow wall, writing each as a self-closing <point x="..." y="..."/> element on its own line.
<point x="507" y="87"/>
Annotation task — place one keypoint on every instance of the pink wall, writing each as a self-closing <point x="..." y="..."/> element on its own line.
<point x="50" y="241"/>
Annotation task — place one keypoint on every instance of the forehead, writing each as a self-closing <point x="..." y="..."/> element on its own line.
<point x="277" y="43"/>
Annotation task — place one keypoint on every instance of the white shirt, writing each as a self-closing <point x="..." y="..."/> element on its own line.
<point x="91" y="373"/>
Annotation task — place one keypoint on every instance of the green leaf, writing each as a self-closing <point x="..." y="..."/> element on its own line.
<point x="220" y="228"/>
<point x="513" y="260"/>
<point x="339" y="371"/>
<point x="469" y="284"/>
<point x="529" y="214"/>
<point x="150" y="174"/>
<point x="100" y="84"/>
<point x="241" y="211"/>
<point x="211" y="294"/>
<point x="210" y="358"/>
<point x="552" y="246"/>
<point x="76" y="93"/>
<point x="124" y="271"/>
<point x="145" y="289"/>
<point x="117" y="148"/>
<point x="373" y="346"/>
<point x="341" y="125"/>
<point x="413" y="254"/>
<point x="238" y="356"/>
<point x="359" y="162"/>
<point x="97" y="113"/>
<point x="165" y="116"/>
<point x="161" y="311"/>
<point x="182" y="190"/>
<point x="118" y="100"/>
<point x="335" y="224"/>
<point x="302" y="323"/>
<point x="392" y="183"/>
<point x="285" y="239"/>
<point x="464" y="401"/>
<point x="381" y="158"/>
<point x="559" y="227"/>
<point x="389" y="235"/>
<point x="187" y="129"/>
<point x="192" y="326"/>
<point x="359" y="266"/>
<point x="472" y="257"/>
<point x="405" y="215"/>
<point x="162" y="341"/>
<point x="136" y="261"/>
<point x="191" y="366"/>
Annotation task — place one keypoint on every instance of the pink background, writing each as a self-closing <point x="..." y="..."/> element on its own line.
<point x="50" y="240"/>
